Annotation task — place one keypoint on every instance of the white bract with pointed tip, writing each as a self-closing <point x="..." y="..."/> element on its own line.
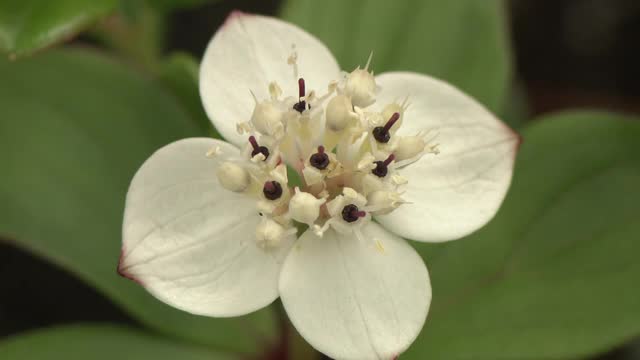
<point x="210" y="227"/>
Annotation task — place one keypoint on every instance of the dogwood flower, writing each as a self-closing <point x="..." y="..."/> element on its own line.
<point x="211" y="227"/>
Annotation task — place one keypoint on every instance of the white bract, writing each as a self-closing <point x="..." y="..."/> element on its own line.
<point x="210" y="227"/>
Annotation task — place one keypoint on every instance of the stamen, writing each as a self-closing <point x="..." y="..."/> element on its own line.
<point x="301" y="91"/>
<point x="351" y="213"/>
<point x="257" y="149"/>
<point x="319" y="160"/>
<point x="272" y="190"/>
<point x="382" y="167"/>
<point x="381" y="133"/>
<point x="301" y="105"/>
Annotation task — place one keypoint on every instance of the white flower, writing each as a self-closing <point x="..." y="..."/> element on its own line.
<point x="216" y="235"/>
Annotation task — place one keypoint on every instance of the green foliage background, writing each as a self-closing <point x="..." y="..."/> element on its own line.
<point x="553" y="276"/>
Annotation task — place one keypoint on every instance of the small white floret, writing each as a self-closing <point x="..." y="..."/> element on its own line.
<point x="383" y="202"/>
<point x="304" y="207"/>
<point x="267" y="119"/>
<point x="361" y="87"/>
<point x="340" y="113"/>
<point x="270" y="234"/>
<point x="409" y="147"/>
<point x="233" y="177"/>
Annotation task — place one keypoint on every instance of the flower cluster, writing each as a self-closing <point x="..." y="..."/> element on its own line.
<point x="348" y="155"/>
<point x="324" y="174"/>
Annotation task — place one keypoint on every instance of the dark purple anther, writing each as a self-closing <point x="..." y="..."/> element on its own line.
<point x="381" y="133"/>
<point x="272" y="190"/>
<point x="382" y="167"/>
<point x="351" y="213"/>
<point x="319" y="160"/>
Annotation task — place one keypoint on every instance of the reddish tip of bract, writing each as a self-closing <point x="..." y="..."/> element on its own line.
<point x="519" y="138"/>
<point x="122" y="270"/>
<point x="519" y="141"/>
<point x="233" y="15"/>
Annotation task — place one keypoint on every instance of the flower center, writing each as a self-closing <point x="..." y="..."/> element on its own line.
<point x="351" y="213"/>
<point x="257" y="149"/>
<point x="382" y="167"/>
<point x="301" y="105"/>
<point x="334" y="189"/>
<point x="381" y="133"/>
<point x="319" y="160"/>
<point x="272" y="190"/>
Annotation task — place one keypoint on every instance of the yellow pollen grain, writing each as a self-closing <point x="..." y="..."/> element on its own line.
<point x="379" y="246"/>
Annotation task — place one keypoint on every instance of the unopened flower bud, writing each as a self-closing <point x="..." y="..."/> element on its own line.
<point x="269" y="233"/>
<point x="232" y="177"/>
<point x="409" y="147"/>
<point x="339" y="113"/>
<point x="383" y="202"/>
<point x="304" y="207"/>
<point x="312" y="175"/>
<point x="361" y="87"/>
<point x="267" y="118"/>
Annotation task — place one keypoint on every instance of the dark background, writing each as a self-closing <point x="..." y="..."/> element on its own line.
<point x="568" y="53"/>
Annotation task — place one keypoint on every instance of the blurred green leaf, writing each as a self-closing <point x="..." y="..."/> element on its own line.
<point x="555" y="274"/>
<point x="97" y="342"/>
<point x="136" y="33"/>
<point x="179" y="73"/>
<point x="517" y="111"/>
<point x="170" y="5"/>
<point x="461" y="41"/>
<point x="74" y="128"/>
<point x="29" y="25"/>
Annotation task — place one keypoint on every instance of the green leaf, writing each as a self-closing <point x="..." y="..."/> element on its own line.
<point x="97" y="342"/>
<point x="74" y="128"/>
<point x="30" y="25"/>
<point x="136" y="33"/>
<point x="461" y="41"/>
<point x="517" y="111"/>
<point x="555" y="274"/>
<point x="171" y="5"/>
<point x="180" y="74"/>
